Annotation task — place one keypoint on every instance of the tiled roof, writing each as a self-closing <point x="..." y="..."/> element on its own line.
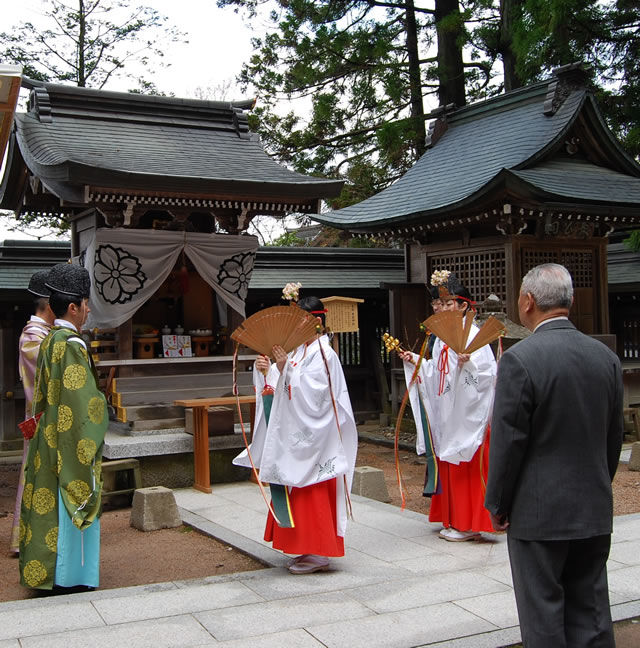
<point x="515" y="132"/>
<point x="327" y="268"/>
<point x="73" y="137"/>
<point x="623" y="266"/>
<point x="570" y="178"/>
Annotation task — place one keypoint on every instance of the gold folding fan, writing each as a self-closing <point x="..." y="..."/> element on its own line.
<point x="454" y="332"/>
<point x="285" y="326"/>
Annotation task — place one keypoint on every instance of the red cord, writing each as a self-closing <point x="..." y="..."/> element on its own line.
<point x="443" y="368"/>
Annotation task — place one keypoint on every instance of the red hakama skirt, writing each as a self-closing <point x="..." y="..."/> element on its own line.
<point x="314" y="513"/>
<point x="461" y="503"/>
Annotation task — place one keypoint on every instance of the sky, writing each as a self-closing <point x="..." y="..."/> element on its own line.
<point x="219" y="42"/>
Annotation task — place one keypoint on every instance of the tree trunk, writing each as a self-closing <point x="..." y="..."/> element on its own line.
<point x="82" y="31"/>
<point x="508" y="11"/>
<point x="449" y="28"/>
<point x="415" y="81"/>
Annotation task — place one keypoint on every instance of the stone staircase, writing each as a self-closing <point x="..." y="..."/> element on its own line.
<point x="145" y="403"/>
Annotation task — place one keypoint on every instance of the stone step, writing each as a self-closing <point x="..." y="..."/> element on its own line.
<point x="184" y="381"/>
<point x="156" y="424"/>
<point x="118" y="446"/>
<point x="167" y="396"/>
<point x="154" y="412"/>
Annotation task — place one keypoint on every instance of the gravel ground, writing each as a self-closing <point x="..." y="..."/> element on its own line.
<point x="626" y="484"/>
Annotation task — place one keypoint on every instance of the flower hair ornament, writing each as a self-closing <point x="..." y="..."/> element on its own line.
<point x="446" y="285"/>
<point x="291" y="291"/>
<point x="440" y="277"/>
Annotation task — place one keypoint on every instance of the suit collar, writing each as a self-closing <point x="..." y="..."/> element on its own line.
<point x="555" y="324"/>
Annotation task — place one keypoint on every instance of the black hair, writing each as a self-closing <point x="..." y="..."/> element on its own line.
<point x="310" y="304"/>
<point x="60" y="303"/>
<point x="455" y="289"/>
<point x="461" y="291"/>
<point x="40" y="303"/>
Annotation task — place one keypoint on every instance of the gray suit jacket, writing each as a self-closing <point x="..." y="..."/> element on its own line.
<point x="556" y="435"/>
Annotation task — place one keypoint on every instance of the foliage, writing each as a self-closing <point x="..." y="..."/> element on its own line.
<point x="632" y="242"/>
<point x="37" y="226"/>
<point x="288" y="239"/>
<point x="346" y="65"/>
<point x="89" y="43"/>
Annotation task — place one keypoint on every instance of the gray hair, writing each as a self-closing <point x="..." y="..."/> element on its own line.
<point x="550" y="286"/>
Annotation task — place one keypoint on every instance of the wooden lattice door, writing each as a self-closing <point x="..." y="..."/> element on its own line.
<point x="582" y="265"/>
<point x="482" y="272"/>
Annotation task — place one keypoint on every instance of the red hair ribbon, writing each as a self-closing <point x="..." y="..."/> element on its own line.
<point x="319" y="312"/>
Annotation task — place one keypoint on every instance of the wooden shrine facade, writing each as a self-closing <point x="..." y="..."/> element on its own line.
<point x="145" y="178"/>
<point x="528" y="177"/>
<point x="159" y="193"/>
<point x="485" y="267"/>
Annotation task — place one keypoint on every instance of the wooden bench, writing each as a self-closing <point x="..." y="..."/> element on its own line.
<point x="202" y="479"/>
<point x="117" y="465"/>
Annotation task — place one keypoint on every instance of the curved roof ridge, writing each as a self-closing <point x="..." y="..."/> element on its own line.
<point x="73" y="90"/>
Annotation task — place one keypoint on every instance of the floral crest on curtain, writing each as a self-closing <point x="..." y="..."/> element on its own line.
<point x="235" y="273"/>
<point x="118" y="275"/>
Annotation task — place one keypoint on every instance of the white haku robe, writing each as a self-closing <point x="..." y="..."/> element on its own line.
<point x="301" y="445"/>
<point x="459" y="416"/>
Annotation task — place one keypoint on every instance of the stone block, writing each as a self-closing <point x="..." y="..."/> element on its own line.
<point x="154" y="508"/>
<point x="634" y="460"/>
<point x="369" y="482"/>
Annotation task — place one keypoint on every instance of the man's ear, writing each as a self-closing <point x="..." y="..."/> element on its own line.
<point x="529" y="303"/>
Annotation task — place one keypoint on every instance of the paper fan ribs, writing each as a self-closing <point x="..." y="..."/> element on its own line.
<point x="453" y="330"/>
<point x="285" y="326"/>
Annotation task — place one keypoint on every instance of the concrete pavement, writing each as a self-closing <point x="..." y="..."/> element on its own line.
<point x="398" y="586"/>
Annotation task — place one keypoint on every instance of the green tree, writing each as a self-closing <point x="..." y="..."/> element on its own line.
<point x="534" y="36"/>
<point x="90" y="42"/>
<point x="362" y="72"/>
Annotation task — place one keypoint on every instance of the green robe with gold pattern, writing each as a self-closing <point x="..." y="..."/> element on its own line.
<point x="65" y="453"/>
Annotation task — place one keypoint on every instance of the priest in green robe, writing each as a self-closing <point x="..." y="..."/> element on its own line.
<point x="59" y="523"/>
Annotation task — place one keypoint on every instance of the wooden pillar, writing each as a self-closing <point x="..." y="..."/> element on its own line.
<point x="202" y="481"/>
<point x="125" y="346"/>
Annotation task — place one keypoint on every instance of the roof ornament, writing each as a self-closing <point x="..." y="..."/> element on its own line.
<point x="564" y="81"/>
<point x="40" y="103"/>
<point x="438" y="127"/>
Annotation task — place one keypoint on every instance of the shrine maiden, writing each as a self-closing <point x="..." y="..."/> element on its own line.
<point x="456" y="393"/>
<point x="307" y="443"/>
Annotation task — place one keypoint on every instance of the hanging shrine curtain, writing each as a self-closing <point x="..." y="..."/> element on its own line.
<point x="127" y="267"/>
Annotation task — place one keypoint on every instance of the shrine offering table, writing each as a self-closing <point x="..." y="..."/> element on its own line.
<point x="201" y="432"/>
<point x="200" y="344"/>
<point x="146" y="346"/>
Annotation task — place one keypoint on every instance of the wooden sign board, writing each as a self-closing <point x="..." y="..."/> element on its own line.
<point x="342" y="313"/>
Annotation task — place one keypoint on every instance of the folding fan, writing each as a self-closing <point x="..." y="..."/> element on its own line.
<point x="450" y="328"/>
<point x="285" y="326"/>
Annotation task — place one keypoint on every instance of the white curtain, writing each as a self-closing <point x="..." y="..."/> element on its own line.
<point x="127" y="267"/>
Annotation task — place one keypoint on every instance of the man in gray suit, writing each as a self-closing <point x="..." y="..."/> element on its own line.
<point x="556" y="436"/>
